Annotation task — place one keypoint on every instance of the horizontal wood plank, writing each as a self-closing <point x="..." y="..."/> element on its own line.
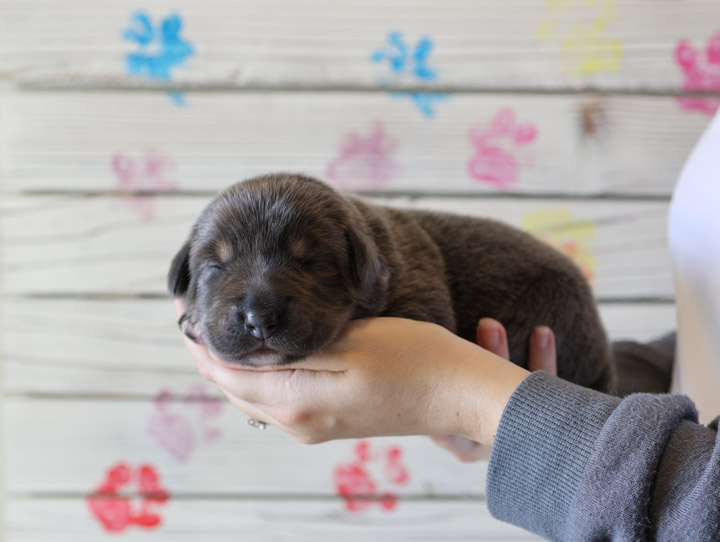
<point x="606" y="44"/>
<point x="104" y="244"/>
<point x="66" y="446"/>
<point x="133" y="347"/>
<point x="115" y="141"/>
<point x="69" y="520"/>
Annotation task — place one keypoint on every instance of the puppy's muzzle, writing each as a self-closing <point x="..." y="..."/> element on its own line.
<point x="261" y="315"/>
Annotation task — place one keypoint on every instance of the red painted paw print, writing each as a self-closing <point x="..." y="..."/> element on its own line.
<point x="356" y="484"/>
<point x="364" y="162"/>
<point x="499" y="154"/>
<point x="114" y="511"/>
<point x="701" y="72"/>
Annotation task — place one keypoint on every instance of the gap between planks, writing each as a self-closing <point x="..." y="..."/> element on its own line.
<point x="155" y="296"/>
<point x="40" y="86"/>
<point x="188" y="496"/>
<point x="389" y="194"/>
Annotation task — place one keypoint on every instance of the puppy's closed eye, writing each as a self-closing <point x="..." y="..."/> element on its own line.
<point x="215" y="266"/>
<point x="320" y="266"/>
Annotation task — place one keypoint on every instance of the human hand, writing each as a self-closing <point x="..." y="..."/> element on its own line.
<point x="491" y="335"/>
<point x="383" y="376"/>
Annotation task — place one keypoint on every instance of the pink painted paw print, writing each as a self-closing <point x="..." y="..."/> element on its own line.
<point x="365" y="162"/>
<point x="701" y="73"/>
<point x="178" y="432"/>
<point x="357" y="482"/>
<point x="144" y="174"/>
<point x="207" y="409"/>
<point x="500" y="149"/>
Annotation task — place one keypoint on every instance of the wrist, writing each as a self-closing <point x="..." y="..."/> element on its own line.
<point x="499" y="380"/>
<point x="477" y="389"/>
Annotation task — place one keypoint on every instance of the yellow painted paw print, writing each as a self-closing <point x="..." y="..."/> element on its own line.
<point x="560" y="229"/>
<point x="581" y="28"/>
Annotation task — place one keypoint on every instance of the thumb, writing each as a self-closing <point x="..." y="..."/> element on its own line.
<point x="259" y="387"/>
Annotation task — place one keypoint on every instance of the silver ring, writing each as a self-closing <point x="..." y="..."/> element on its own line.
<point x="257" y="424"/>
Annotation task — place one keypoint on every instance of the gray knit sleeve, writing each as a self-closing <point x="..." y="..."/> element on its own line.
<point x="570" y="463"/>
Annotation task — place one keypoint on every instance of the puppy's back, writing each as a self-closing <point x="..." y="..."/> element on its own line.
<point x="493" y="270"/>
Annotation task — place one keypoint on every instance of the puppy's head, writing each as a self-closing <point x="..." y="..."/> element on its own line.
<point x="274" y="268"/>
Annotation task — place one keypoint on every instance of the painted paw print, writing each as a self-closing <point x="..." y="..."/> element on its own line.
<point x="178" y="432"/>
<point x="498" y="164"/>
<point x="567" y="233"/>
<point x="424" y="101"/>
<point x="401" y="58"/>
<point x="356" y="481"/>
<point x="405" y="61"/>
<point x="701" y="71"/>
<point x="581" y="27"/>
<point x="365" y="162"/>
<point x="147" y="173"/>
<point x="114" y="511"/>
<point x="160" y="48"/>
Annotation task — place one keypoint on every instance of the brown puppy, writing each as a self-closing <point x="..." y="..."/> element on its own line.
<point x="276" y="266"/>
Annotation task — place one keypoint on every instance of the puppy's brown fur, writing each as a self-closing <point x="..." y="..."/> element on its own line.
<point x="297" y="260"/>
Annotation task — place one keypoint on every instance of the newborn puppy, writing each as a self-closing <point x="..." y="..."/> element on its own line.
<point x="275" y="267"/>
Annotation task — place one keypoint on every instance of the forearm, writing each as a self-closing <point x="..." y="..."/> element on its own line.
<point x="572" y="464"/>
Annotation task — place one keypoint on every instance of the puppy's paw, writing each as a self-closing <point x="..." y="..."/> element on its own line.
<point x="187" y="327"/>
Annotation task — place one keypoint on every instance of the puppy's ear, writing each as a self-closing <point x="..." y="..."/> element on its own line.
<point x="368" y="270"/>
<point x="179" y="275"/>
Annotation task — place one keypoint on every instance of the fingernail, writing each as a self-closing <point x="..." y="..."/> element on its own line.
<point x="542" y="337"/>
<point x="490" y="333"/>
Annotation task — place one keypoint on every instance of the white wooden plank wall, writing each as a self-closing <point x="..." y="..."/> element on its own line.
<point x="569" y="118"/>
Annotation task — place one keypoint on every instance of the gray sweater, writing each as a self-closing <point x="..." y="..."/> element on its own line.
<point x="570" y="463"/>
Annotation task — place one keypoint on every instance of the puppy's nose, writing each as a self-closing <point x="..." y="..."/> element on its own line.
<point x="261" y="325"/>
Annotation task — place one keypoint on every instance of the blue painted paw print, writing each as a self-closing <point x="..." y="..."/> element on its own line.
<point x="424" y="101"/>
<point x="401" y="60"/>
<point x="159" y="49"/>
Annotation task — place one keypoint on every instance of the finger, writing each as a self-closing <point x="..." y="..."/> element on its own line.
<point x="258" y="387"/>
<point x="179" y="307"/>
<point x="182" y="323"/>
<point x="191" y="344"/>
<point x="201" y="357"/>
<point x="198" y="350"/>
<point x="249" y="409"/>
<point x="490" y="335"/>
<point x="332" y="359"/>
<point x="543" y="355"/>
